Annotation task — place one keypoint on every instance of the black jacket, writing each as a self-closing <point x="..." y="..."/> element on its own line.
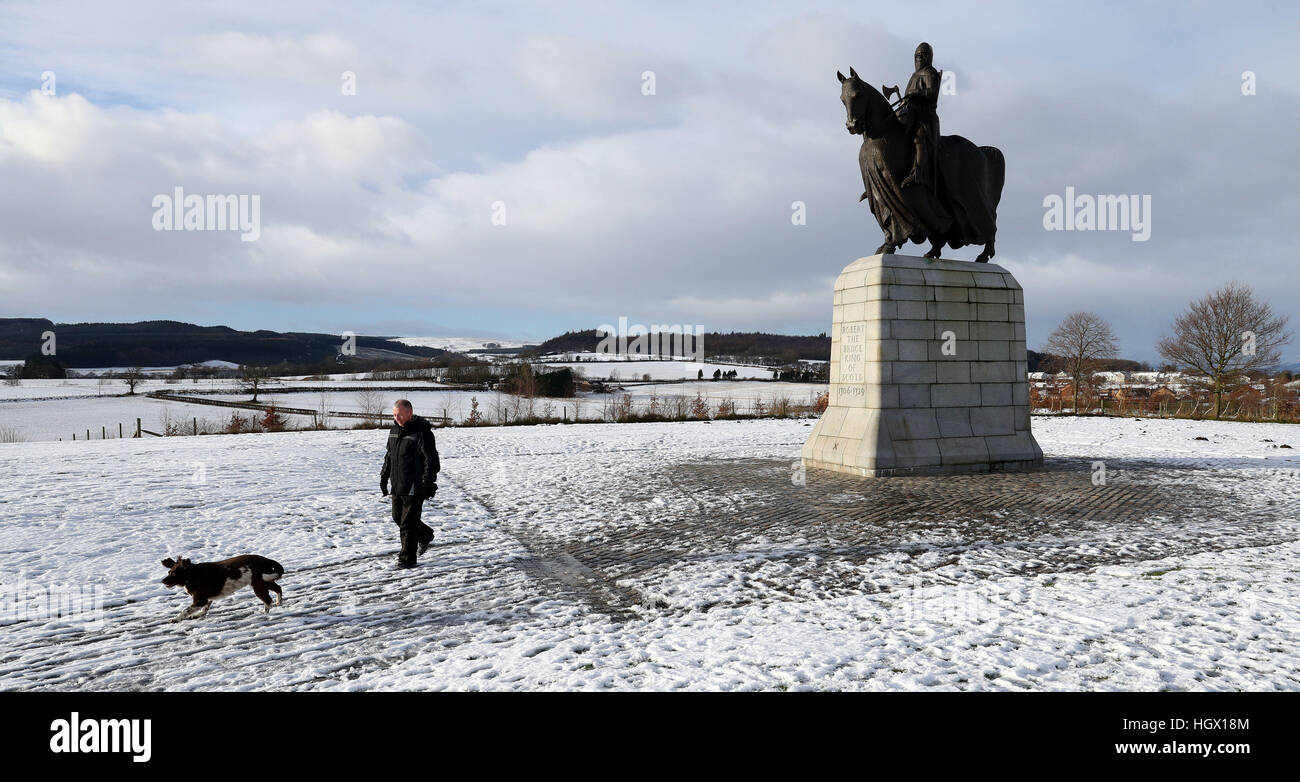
<point x="412" y="459"/>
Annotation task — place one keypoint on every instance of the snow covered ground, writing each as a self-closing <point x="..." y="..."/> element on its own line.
<point x="56" y="409"/>
<point x="494" y="606"/>
<point x="601" y="366"/>
<point x="462" y="344"/>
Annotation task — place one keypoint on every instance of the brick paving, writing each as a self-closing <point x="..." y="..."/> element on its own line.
<point x="943" y="528"/>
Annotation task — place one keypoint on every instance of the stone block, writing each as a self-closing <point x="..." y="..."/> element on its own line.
<point x="955" y="395"/>
<point x="990" y="421"/>
<point x="953" y="421"/>
<point x="913" y="372"/>
<point x="995" y="394"/>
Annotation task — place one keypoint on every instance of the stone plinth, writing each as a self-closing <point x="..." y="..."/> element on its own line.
<point x="928" y="371"/>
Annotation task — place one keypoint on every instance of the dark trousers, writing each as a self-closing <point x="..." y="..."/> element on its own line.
<point x="406" y="515"/>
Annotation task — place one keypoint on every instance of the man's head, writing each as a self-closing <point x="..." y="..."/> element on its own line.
<point x="402" y="411"/>
<point x="924" y="55"/>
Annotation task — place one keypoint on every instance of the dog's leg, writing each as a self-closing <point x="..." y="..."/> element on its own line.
<point x="189" y="610"/>
<point x="279" y="593"/>
<point x="259" y="589"/>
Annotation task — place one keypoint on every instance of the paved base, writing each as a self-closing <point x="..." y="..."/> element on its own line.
<point x="1052" y="519"/>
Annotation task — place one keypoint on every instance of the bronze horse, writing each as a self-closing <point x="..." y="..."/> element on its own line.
<point x="963" y="207"/>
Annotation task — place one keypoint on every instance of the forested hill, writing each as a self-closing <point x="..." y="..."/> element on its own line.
<point x="165" y="343"/>
<point x="779" y="347"/>
<point x="735" y="344"/>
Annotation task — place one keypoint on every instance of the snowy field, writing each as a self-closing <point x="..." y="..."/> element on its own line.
<point x="56" y="409"/>
<point x="599" y="366"/>
<point x="463" y="344"/>
<point x="483" y="612"/>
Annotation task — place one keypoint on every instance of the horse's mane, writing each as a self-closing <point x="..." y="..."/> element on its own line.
<point x="878" y="106"/>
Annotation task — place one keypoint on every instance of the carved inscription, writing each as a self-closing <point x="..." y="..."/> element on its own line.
<point x="852" y="360"/>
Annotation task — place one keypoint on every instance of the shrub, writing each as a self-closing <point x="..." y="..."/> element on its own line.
<point x="475" y="417"/>
<point x="272" y="421"/>
<point x="238" y="424"/>
<point x="699" y="408"/>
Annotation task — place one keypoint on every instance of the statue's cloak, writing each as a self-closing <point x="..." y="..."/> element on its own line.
<point x="918" y="214"/>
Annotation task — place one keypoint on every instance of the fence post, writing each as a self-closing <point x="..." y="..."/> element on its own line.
<point x="137" y="427"/>
<point x="103" y="432"/>
<point x="196" y="424"/>
<point x="119" y="430"/>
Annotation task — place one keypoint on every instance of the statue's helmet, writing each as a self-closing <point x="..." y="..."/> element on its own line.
<point x="924" y="54"/>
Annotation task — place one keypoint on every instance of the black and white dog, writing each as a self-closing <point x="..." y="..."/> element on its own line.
<point x="208" y="581"/>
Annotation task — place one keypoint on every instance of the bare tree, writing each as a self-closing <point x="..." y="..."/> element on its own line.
<point x="253" y="378"/>
<point x="1081" y="341"/>
<point x="1225" y="334"/>
<point x="322" y="410"/>
<point x="133" y="377"/>
<point x="371" y="403"/>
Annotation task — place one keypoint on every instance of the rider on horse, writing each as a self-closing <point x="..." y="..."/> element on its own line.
<point x="922" y="119"/>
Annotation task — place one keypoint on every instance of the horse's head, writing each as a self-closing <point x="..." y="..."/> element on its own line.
<point x="866" y="107"/>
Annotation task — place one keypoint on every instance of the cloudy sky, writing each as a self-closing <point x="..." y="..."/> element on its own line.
<point x="377" y="208"/>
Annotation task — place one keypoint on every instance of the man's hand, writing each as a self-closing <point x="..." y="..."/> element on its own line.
<point x="427" y="491"/>
<point x="383" y="486"/>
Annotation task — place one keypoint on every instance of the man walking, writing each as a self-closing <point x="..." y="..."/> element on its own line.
<point x="412" y="463"/>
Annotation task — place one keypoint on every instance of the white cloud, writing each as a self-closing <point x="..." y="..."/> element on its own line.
<point x="673" y="208"/>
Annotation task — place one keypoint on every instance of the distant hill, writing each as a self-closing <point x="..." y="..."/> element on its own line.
<point x="782" y="347"/>
<point x="779" y="347"/>
<point x="166" y="343"/>
<point x="1038" y="362"/>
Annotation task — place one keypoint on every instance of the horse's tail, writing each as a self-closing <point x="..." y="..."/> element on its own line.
<point x="997" y="173"/>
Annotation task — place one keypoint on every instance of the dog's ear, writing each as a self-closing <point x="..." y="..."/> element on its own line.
<point x="169" y="563"/>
